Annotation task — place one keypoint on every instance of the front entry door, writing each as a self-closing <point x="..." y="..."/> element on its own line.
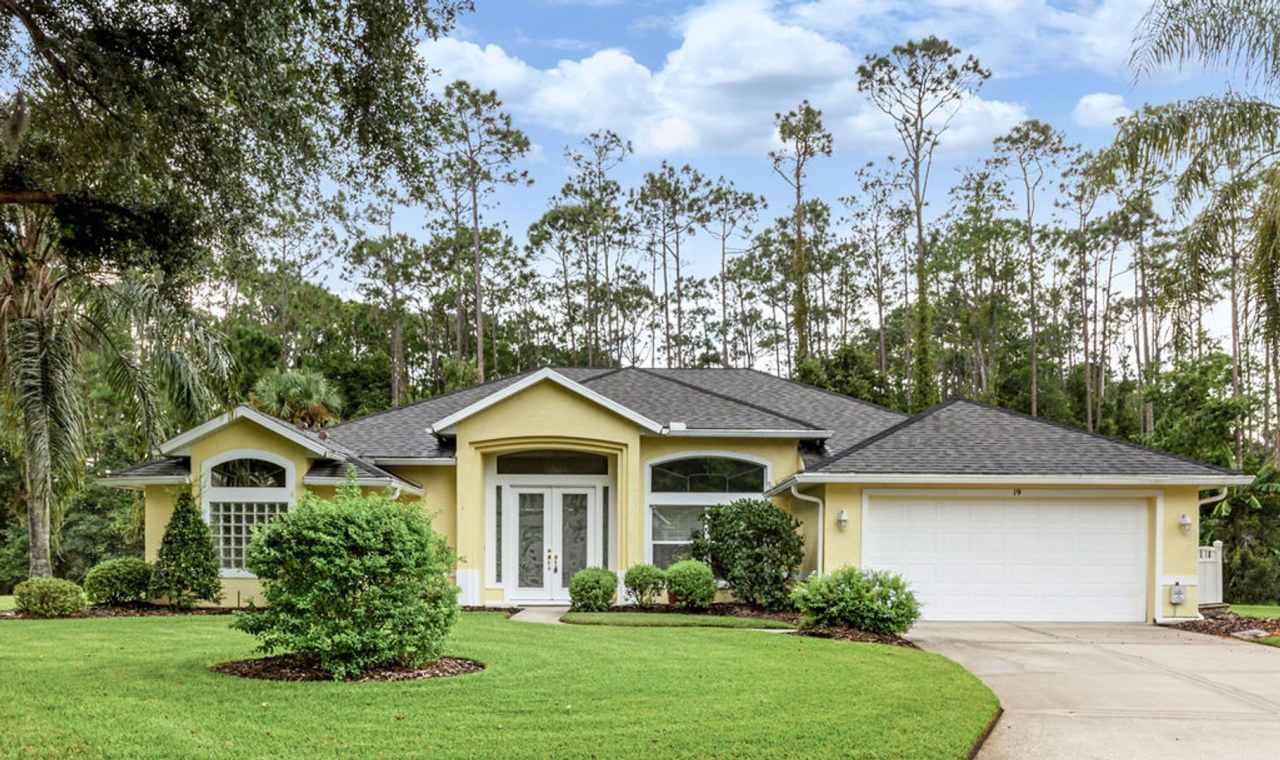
<point x="555" y="528"/>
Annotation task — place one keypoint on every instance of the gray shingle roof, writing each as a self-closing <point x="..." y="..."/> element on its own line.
<point x="156" y="468"/>
<point x="969" y="438"/>
<point x="332" y="468"/>
<point x="666" y="397"/>
<point x="402" y="432"/>
<point x="850" y="419"/>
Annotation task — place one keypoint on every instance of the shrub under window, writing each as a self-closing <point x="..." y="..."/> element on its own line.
<point x="126" y="580"/>
<point x="755" y="546"/>
<point x="186" y="568"/>
<point x="356" y="582"/>
<point x="644" y="583"/>
<point x="691" y="585"/>
<point x="875" y="601"/>
<point x="592" y="589"/>
<point x="48" y="597"/>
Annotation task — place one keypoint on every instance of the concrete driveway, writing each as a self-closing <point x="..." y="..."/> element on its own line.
<point x="1084" y="691"/>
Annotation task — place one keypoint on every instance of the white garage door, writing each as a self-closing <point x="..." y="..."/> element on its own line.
<point x="1023" y="558"/>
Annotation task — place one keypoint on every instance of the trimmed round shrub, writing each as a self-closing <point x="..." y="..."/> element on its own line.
<point x="186" y="569"/>
<point x="48" y="597"/>
<point x="874" y="601"/>
<point x="353" y="583"/>
<point x="691" y="584"/>
<point x="126" y="580"/>
<point x="644" y="583"/>
<point x="755" y="546"/>
<point x="592" y="589"/>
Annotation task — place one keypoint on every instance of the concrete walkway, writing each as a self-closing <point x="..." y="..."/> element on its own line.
<point x="545" y="615"/>
<point x="1128" y="692"/>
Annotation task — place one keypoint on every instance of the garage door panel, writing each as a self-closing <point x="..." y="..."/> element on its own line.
<point x="1014" y="559"/>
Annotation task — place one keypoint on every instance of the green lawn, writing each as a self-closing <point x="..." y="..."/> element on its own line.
<point x="1257" y="610"/>
<point x="669" y="620"/>
<point x="1271" y="641"/>
<point x="140" y="688"/>
<point x="6" y="602"/>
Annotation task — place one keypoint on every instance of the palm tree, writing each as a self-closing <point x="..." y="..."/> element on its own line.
<point x="158" y="355"/>
<point x="1206" y="135"/>
<point x="300" y="396"/>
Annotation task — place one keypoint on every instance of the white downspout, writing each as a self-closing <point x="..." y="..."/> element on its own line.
<point x="822" y="520"/>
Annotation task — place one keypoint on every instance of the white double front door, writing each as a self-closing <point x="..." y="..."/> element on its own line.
<point x="556" y="530"/>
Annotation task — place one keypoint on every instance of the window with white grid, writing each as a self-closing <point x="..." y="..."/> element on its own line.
<point x="232" y="524"/>
<point x="241" y="490"/>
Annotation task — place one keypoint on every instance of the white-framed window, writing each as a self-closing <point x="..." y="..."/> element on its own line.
<point x="682" y="487"/>
<point x="240" y="490"/>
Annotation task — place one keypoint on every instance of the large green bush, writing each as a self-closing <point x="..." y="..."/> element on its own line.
<point x="356" y="582"/>
<point x="755" y="547"/>
<point x="186" y="568"/>
<point x="691" y="584"/>
<point x="644" y="583"/>
<point x="48" y="597"/>
<point x="126" y="580"/>
<point x="867" y="600"/>
<point x="592" y="589"/>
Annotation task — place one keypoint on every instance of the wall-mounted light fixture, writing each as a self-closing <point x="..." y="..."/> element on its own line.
<point x="842" y="519"/>
<point x="1184" y="522"/>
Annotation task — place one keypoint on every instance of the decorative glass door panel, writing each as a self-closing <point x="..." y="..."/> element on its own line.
<point x="532" y="548"/>
<point x="574" y="535"/>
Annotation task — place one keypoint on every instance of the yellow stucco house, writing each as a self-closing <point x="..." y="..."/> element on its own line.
<point x="991" y="515"/>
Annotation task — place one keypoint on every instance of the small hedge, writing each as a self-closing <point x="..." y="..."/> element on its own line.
<point x="691" y="584"/>
<point x="644" y="583"/>
<point x="118" y="581"/>
<point x="48" y="597"/>
<point x="874" y="601"/>
<point x="356" y="582"/>
<point x="592" y="589"/>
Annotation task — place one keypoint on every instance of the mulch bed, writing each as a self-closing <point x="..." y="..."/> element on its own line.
<point x="289" y="667"/>
<point x="141" y="610"/>
<point x="1229" y="623"/>
<point x="747" y="611"/>
<point x="852" y="634"/>
<point x="720" y="608"/>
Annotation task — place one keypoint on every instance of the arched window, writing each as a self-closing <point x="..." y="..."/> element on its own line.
<point x="241" y="490"/>
<point x="247" y="473"/>
<point x="682" y="488"/>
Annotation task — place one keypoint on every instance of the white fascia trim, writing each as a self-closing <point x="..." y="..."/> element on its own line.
<point x="443" y="425"/>
<point x="372" y="482"/>
<point x="737" y="433"/>
<point x="139" y="482"/>
<point x="180" y="445"/>
<point x="1061" y="480"/>
<point x="414" y="461"/>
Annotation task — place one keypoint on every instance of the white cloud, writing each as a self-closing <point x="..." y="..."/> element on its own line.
<point x="738" y="63"/>
<point x="1100" y="109"/>
<point x="1011" y="36"/>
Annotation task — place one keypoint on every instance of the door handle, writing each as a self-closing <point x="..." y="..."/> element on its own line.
<point x="556" y="569"/>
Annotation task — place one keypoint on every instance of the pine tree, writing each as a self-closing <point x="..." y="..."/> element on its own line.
<point x="186" y="568"/>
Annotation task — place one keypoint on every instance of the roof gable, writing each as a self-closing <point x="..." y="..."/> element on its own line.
<point x="180" y="445"/>
<point x="967" y="438"/>
<point x="446" y="424"/>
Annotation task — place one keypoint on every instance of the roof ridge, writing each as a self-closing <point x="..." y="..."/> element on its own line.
<point x="1101" y="436"/>
<point x="422" y="401"/>
<point x="882" y="434"/>
<point x="827" y="391"/>
<point x="726" y="397"/>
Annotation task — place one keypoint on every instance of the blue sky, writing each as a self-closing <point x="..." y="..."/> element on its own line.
<point x="699" y="82"/>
